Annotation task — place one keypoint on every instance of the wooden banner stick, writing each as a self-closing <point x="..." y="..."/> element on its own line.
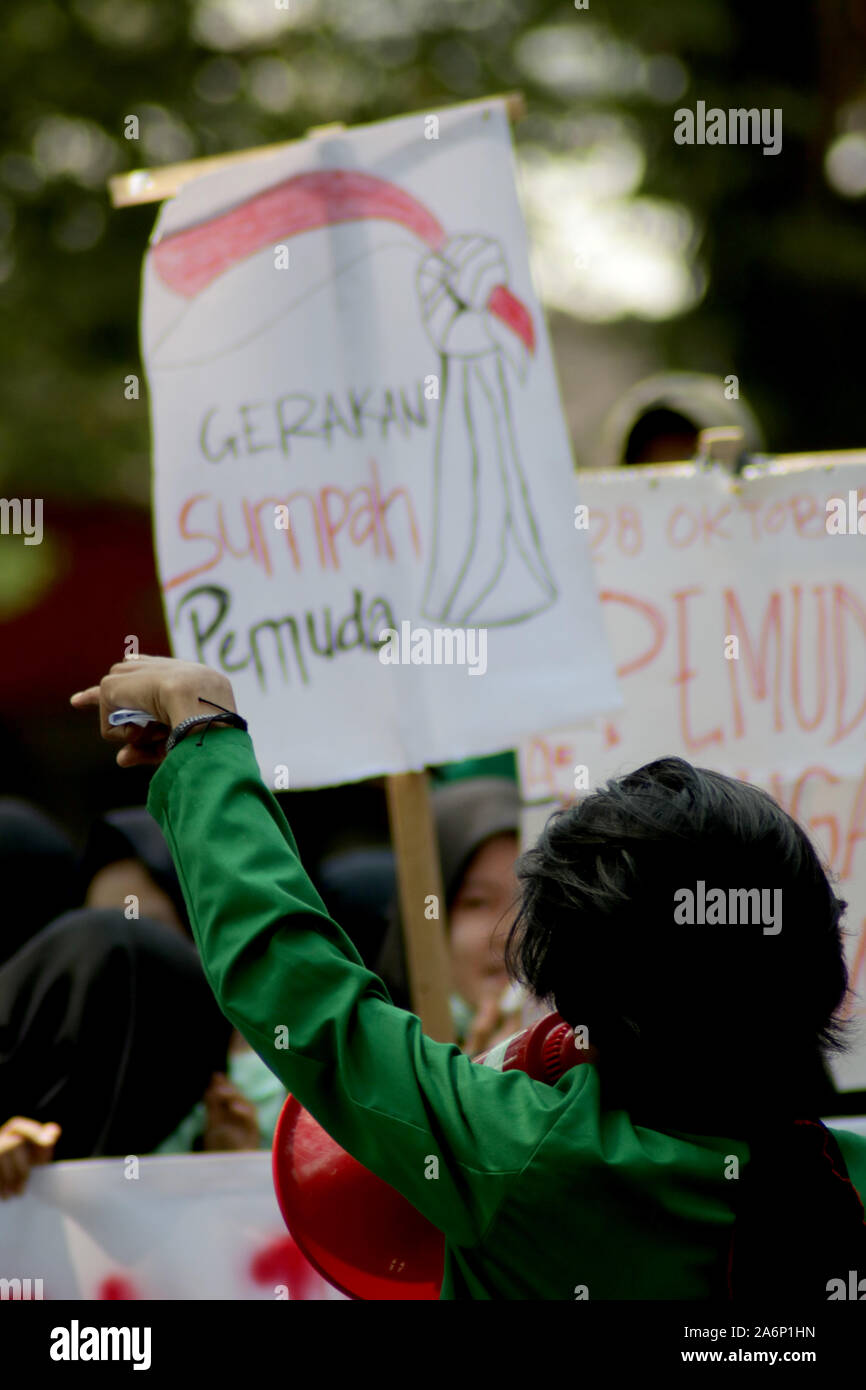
<point x="722" y="444"/>
<point x="419" y="879"/>
<point x="154" y="185"/>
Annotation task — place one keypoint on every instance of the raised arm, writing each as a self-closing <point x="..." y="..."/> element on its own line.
<point x="293" y="984"/>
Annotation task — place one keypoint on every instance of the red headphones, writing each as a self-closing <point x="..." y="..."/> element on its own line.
<point x="359" y="1233"/>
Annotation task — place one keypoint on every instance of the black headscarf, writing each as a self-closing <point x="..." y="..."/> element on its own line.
<point x="37" y="871"/>
<point x="132" y="833"/>
<point x="468" y="813"/>
<point x="357" y="887"/>
<point x="109" y="1028"/>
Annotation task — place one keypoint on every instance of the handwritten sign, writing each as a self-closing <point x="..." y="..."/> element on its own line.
<point x="193" y="1226"/>
<point x="738" y="623"/>
<point x="362" y="478"/>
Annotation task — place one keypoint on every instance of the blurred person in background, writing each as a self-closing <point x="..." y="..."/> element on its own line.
<point x="37" y="865"/>
<point x="108" y="1029"/>
<point x="659" y="419"/>
<point x="477" y="823"/>
<point x="110" y="1040"/>
<point x="126" y="855"/>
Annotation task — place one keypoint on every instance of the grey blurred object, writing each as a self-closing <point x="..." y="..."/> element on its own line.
<point x="660" y="419"/>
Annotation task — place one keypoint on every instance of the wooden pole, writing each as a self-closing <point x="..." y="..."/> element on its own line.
<point x="419" y="887"/>
<point x="154" y="185"/>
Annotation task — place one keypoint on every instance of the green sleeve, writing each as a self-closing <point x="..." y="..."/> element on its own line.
<point x="281" y="969"/>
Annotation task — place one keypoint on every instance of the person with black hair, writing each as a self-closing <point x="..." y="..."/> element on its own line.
<point x="706" y="1027"/>
<point x="660" y="418"/>
<point x="657" y="1170"/>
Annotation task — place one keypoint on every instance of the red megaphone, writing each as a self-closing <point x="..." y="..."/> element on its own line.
<point x="364" y="1237"/>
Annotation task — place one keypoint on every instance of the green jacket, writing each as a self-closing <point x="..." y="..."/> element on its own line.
<point x="540" y="1193"/>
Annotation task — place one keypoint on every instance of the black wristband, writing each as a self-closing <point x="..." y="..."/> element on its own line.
<point x="225" y="716"/>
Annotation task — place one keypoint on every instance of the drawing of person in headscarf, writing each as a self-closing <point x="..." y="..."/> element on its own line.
<point x="487" y="566"/>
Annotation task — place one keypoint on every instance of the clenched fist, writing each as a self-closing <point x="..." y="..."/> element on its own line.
<point x="454" y="286"/>
<point x="168" y="689"/>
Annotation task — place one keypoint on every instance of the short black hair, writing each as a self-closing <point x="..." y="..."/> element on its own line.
<point x="722" y="1016"/>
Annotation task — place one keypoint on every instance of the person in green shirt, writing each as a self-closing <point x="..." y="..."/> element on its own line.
<point x="685" y="1162"/>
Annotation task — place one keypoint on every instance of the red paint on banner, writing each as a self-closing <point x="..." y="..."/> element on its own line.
<point x="117" y="1288"/>
<point x="189" y="260"/>
<point x="513" y="313"/>
<point x="281" y="1262"/>
<point x="328" y="528"/>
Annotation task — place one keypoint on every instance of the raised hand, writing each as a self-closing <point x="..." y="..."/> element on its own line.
<point x="231" y="1119"/>
<point x="164" y="687"/>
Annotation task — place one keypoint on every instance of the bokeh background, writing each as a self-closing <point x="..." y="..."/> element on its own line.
<point x="649" y="255"/>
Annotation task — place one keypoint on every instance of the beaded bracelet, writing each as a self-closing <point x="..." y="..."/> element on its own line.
<point x="225" y="716"/>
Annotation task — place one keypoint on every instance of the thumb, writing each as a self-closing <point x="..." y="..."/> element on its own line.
<point x="48" y="1136"/>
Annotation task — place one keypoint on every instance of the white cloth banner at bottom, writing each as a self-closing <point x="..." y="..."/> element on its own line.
<point x="189" y="1226"/>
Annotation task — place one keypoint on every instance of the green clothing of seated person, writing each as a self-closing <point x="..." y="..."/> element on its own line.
<point x="626" y="1179"/>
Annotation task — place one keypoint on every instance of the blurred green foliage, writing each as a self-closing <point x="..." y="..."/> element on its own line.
<point x="782" y="251"/>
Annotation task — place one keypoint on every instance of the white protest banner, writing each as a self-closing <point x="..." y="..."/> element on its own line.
<point x="192" y="1226"/>
<point x="362" y="477"/>
<point x="738" y="623"/>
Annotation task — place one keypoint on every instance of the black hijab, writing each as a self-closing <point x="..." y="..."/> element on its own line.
<point x="109" y="1028"/>
<point x="37" y="871"/>
<point x="132" y="833"/>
